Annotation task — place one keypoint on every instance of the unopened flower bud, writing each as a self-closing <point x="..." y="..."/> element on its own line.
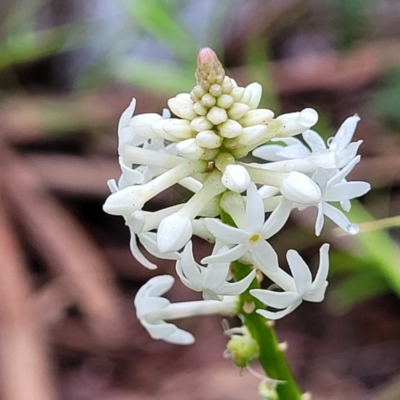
<point x="182" y="108"/>
<point x="142" y="124"/>
<point x="125" y="201"/>
<point x="208" y="67"/>
<point x="227" y="85"/>
<point x="207" y="100"/>
<point x="198" y="91"/>
<point x="230" y="129"/>
<point x="236" y="178"/>
<point x="175" y="128"/>
<point x="217" y="115"/>
<point x="215" y="90"/>
<point x="173" y="233"/>
<point x="199" y="108"/>
<point x="293" y="123"/>
<point x="238" y="110"/>
<point x="256" y="117"/>
<point x="267" y="391"/>
<point x="252" y="135"/>
<point x="201" y="124"/>
<point x="209" y="139"/>
<point x="242" y="349"/>
<point x="300" y="189"/>
<point x="237" y="93"/>
<point x="225" y="101"/>
<point x="190" y="149"/>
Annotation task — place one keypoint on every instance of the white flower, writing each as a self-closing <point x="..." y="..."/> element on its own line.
<point x="299" y="288"/>
<point x="211" y="280"/>
<point x="337" y="154"/>
<point x="148" y="302"/>
<point x="250" y="238"/>
<point x="337" y="189"/>
<point x="153" y="310"/>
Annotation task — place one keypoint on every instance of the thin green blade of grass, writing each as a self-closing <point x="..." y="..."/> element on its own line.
<point x="154" y="16"/>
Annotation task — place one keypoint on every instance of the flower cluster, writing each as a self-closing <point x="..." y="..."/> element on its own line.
<point x="202" y="147"/>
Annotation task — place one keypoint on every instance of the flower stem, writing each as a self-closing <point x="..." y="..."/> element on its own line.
<point x="271" y="357"/>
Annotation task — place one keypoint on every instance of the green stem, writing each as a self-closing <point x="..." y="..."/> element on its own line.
<point x="271" y="357"/>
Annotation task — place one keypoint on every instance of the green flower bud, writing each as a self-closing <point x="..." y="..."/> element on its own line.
<point x="266" y="392"/>
<point x="243" y="349"/>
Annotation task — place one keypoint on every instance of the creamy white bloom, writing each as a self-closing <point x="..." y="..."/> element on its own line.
<point x="153" y="311"/>
<point x="337" y="189"/>
<point x="210" y="280"/>
<point x="297" y="287"/>
<point x="148" y="302"/>
<point x="250" y="239"/>
<point x="338" y="152"/>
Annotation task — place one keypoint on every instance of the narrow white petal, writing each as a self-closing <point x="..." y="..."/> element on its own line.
<point x="323" y="269"/>
<point x="347" y="191"/>
<point x="264" y="256"/>
<point x="189" y="267"/>
<point x="346" y="132"/>
<point x="215" y="275"/>
<point x="179" y="336"/>
<point x="148" y="240"/>
<point x="339" y="219"/>
<point x="300" y="271"/>
<point x="268" y="152"/>
<point x="231" y="255"/>
<point x="277" y="219"/>
<point x="294" y="151"/>
<point x="278" y="314"/>
<point x="137" y="254"/>
<point x="147" y="305"/>
<point x="127" y="115"/>
<point x="277" y="300"/>
<point x="319" y="223"/>
<point x="343" y="173"/>
<point x="236" y="288"/>
<point x="155" y="287"/>
<point x="158" y="331"/>
<point x="314" y="140"/>
<point x="255" y="214"/>
<point x="227" y="233"/>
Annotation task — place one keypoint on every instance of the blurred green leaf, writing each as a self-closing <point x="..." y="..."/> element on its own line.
<point x="359" y="286"/>
<point x="386" y="99"/>
<point x="155" y="17"/>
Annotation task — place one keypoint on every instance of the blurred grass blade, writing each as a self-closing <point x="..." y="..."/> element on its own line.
<point x="358" y="287"/>
<point x="154" y="16"/>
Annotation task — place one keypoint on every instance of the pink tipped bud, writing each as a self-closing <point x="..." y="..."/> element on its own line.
<point x="208" y="67"/>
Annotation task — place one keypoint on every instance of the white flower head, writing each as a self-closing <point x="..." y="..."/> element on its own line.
<point x="337" y="189"/>
<point x="300" y="287"/>
<point x="211" y="280"/>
